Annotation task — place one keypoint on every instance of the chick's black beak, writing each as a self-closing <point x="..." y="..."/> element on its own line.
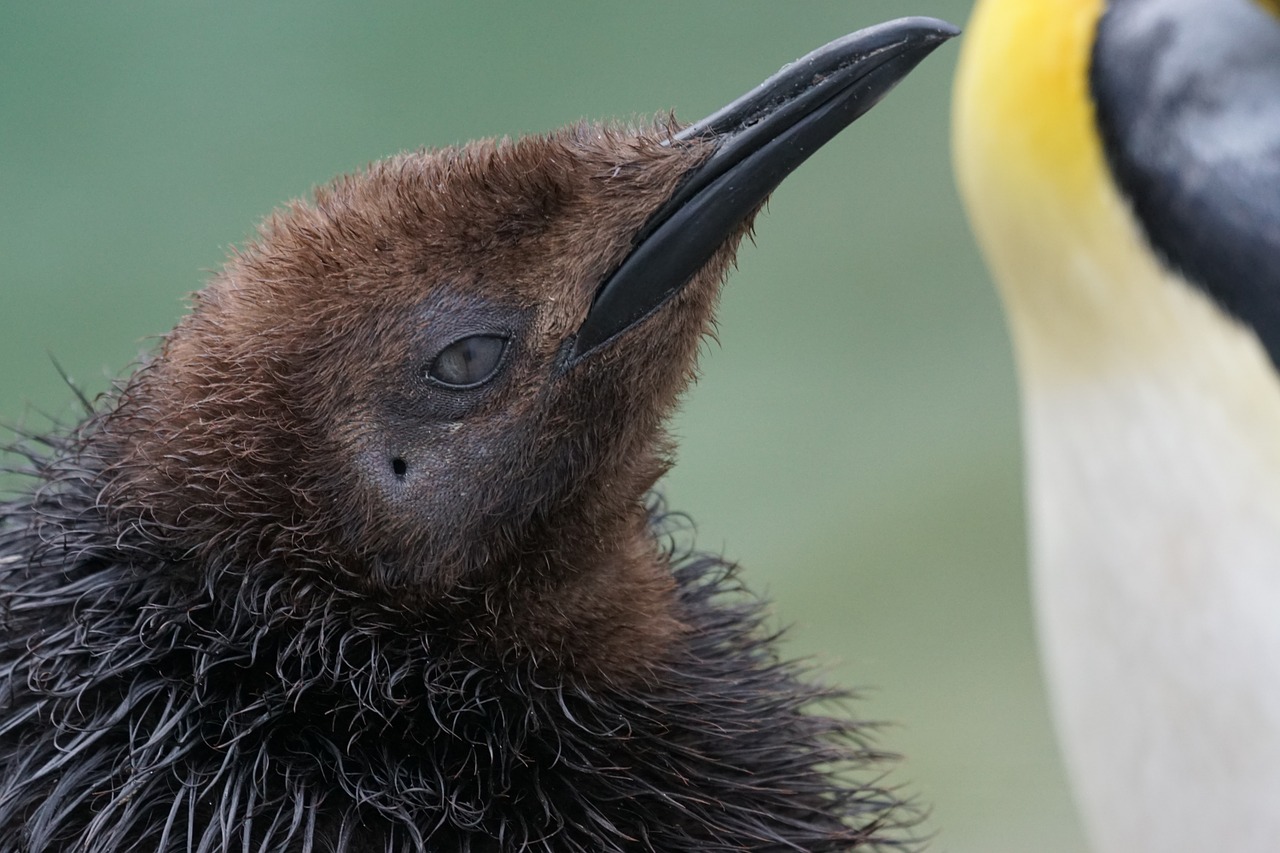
<point x="760" y="138"/>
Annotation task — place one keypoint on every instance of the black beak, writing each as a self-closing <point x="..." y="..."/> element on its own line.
<point x="762" y="136"/>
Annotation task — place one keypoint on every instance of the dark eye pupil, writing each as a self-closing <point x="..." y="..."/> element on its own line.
<point x="469" y="361"/>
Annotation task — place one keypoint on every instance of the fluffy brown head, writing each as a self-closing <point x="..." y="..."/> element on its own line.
<point x="378" y="390"/>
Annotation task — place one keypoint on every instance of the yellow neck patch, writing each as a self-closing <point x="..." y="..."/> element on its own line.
<point x="1272" y="6"/>
<point x="1088" y="300"/>
<point x="1022" y="91"/>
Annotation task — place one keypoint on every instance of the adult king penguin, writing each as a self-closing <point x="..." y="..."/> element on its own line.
<point x="1120" y="160"/>
<point x="362" y="559"/>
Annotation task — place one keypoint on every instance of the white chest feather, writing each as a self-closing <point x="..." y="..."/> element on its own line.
<point x="1153" y="444"/>
<point x="1156" y="537"/>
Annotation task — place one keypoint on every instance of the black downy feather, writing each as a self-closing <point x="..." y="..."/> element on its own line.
<point x="151" y="701"/>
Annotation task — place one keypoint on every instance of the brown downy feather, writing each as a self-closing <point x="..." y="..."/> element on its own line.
<point x="282" y="592"/>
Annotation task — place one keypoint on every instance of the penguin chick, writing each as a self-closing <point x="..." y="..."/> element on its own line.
<point x="362" y="560"/>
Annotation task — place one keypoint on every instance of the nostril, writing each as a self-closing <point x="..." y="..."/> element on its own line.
<point x="399" y="467"/>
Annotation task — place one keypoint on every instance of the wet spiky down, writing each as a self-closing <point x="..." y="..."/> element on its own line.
<point x="276" y="594"/>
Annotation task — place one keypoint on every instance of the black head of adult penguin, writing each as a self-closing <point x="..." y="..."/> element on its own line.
<point x="362" y="558"/>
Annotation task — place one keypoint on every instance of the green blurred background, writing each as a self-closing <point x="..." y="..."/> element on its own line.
<point x="854" y="439"/>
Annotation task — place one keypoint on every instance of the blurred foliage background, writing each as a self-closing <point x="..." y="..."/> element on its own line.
<point x="854" y="439"/>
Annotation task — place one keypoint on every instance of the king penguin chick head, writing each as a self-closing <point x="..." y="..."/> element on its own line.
<point x="362" y="559"/>
<point x="1120" y="161"/>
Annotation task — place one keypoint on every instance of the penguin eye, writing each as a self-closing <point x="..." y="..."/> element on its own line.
<point x="468" y="361"/>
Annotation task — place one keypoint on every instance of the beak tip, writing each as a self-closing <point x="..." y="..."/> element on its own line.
<point x="926" y="29"/>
